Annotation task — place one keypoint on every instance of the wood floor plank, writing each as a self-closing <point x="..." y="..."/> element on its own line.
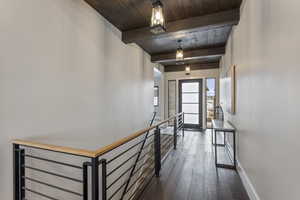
<point x="189" y="173"/>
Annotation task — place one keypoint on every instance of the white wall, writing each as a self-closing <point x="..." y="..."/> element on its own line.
<point x="195" y="74"/>
<point x="64" y="70"/>
<point x="159" y="80"/>
<point x="265" y="48"/>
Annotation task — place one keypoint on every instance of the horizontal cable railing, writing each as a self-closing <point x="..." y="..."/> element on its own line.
<point x="120" y="171"/>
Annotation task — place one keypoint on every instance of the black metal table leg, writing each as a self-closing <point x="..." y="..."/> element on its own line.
<point x="216" y="154"/>
<point x="234" y="149"/>
<point x="233" y="166"/>
<point x="215" y="143"/>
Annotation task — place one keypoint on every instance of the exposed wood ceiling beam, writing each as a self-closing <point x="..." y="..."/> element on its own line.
<point x="189" y="55"/>
<point x="198" y="66"/>
<point x="185" y="26"/>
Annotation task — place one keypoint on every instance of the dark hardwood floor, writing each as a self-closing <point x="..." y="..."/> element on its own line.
<point x="189" y="173"/>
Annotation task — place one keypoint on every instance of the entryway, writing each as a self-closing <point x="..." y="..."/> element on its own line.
<point x="190" y="102"/>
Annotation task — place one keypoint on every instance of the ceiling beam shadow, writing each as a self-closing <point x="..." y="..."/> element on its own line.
<point x="189" y="55"/>
<point x="185" y="26"/>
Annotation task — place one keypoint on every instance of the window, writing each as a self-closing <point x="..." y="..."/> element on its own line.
<point x="156" y="96"/>
<point x="210" y="100"/>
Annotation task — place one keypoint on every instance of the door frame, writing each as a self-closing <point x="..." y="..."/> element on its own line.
<point x="200" y="80"/>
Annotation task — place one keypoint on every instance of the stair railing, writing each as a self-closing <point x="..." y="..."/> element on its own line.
<point x="109" y="173"/>
<point x="137" y="158"/>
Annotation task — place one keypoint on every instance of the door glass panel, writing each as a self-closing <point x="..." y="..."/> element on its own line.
<point x="190" y="87"/>
<point x="191" y="118"/>
<point x="190" y="98"/>
<point x="190" y="108"/>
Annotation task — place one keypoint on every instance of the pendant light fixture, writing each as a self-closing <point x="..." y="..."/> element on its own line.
<point x="179" y="52"/>
<point x="157" y="19"/>
<point x="187" y="70"/>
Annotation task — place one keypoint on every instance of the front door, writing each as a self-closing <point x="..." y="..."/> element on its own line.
<point x="190" y="102"/>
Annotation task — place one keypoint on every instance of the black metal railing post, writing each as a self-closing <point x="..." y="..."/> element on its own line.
<point x="157" y="151"/>
<point x="137" y="158"/>
<point x="95" y="178"/>
<point x="183" y="124"/>
<point x="85" y="180"/>
<point x="175" y="133"/>
<point x="16" y="171"/>
<point x="19" y="172"/>
<point x="104" y="179"/>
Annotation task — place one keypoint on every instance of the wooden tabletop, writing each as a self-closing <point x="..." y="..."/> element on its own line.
<point x="221" y="125"/>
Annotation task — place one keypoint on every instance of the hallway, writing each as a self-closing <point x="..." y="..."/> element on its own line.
<point x="189" y="173"/>
<point x="81" y="82"/>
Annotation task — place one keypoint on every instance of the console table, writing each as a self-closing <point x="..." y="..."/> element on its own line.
<point x="224" y="127"/>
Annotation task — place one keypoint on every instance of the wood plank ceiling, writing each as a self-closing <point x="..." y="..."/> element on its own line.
<point x="202" y="25"/>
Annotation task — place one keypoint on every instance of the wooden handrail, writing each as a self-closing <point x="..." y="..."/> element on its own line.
<point x="88" y="153"/>
<point x="68" y="150"/>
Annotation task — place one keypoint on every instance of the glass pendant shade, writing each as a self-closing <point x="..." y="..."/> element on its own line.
<point x="179" y="54"/>
<point x="187" y="70"/>
<point x="157" y="19"/>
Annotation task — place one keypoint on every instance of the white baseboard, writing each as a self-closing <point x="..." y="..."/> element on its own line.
<point x="247" y="183"/>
